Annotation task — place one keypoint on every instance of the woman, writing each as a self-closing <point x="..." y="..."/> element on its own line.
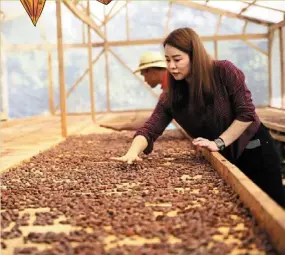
<point x="211" y="101"/>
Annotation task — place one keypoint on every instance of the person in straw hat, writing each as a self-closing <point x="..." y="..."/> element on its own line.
<point x="152" y="67"/>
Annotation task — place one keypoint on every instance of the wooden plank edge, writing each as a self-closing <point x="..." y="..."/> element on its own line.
<point x="268" y="213"/>
<point x="35" y="153"/>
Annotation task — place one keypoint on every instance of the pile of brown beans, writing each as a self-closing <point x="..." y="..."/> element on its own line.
<point x="172" y="202"/>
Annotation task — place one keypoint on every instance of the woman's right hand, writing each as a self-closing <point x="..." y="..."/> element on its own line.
<point x="129" y="157"/>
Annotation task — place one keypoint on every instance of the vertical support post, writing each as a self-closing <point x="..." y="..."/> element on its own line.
<point x="91" y="83"/>
<point x="270" y="41"/>
<point x="216" y="53"/>
<point x="216" y="49"/>
<point x="83" y="33"/>
<point x="106" y="62"/>
<point x="168" y="19"/>
<point x="50" y="85"/>
<point x="127" y="21"/>
<point x="4" y="85"/>
<point x="282" y="64"/>
<point x="61" y="70"/>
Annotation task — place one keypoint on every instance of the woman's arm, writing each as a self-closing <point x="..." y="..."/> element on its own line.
<point x="146" y="135"/>
<point x="241" y="100"/>
<point x="234" y="131"/>
<point x="138" y="145"/>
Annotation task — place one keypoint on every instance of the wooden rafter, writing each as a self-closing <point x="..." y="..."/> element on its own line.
<point x="115" y="3"/>
<point x="25" y="47"/>
<point x="108" y="18"/>
<point x="246" y="8"/>
<point x="252" y="45"/>
<point x="220" y="12"/>
<point x="254" y="3"/>
<point x="82" y="16"/>
<point x="91" y="13"/>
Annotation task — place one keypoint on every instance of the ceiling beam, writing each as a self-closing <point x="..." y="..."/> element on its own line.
<point x="27" y="47"/>
<point x="254" y="3"/>
<point x="278" y="25"/>
<point x="220" y="12"/>
<point x="248" y="5"/>
<point x="82" y="16"/>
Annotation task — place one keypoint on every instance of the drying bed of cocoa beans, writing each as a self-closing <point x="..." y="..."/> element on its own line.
<point x="72" y="199"/>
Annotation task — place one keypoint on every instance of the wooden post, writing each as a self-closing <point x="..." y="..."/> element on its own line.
<point x="168" y="19"/>
<point x="270" y="39"/>
<point x="106" y="62"/>
<point x="216" y="33"/>
<point x="50" y="85"/>
<point x="91" y="85"/>
<point x="4" y="85"/>
<point x="216" y="49"/>
<point x="83" y="33"/>
<point x="282" y="64"/>
<point x="61" y="70"/>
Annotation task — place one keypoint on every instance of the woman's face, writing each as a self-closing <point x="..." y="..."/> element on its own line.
<point x="178" y="62"/>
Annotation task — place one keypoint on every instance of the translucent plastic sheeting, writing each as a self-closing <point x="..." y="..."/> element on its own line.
<point x="265" y="14"/>
<point x="276" y="72"/>
<point x="252" y="63"/>
<point x="232" y="6"/>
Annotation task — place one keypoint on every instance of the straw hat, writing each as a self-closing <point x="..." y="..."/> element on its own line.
<point x="151" y="59"/>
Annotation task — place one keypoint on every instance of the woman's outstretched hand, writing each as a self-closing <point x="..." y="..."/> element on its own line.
<point x="130" y="158"/>
<point x="205" y="143"/>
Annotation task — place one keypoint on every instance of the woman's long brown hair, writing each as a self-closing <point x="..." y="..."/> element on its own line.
<point x="202" y="88"/>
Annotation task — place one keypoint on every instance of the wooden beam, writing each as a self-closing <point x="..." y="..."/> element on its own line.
<point x="252" y="45"/>
<point x="83" y="33"/>
<point x="50" y="85"/>
<point x="267" y="212"/>
<point x="278" y="25"/>
<point x="254" y="3"/>
<point x="73" y="87"/>
<point x="4" y="83"/>
<point x="168" y="19"/>
<point x="107" y="75"/>
<point x="91" y="13"/>
<point x="216" y="54"/>
<point x="127" y="22"/>
<point x="282" y="65"/>
<point x="220" y="12"/>
<point x="112" y="8"/>
<point x="270" y="40"/>
<point x="106" y="20"/>
<point x="216" y="50"/>
<point x="61" y="70"/>
<point x="25" y="47"/>
<point x="91" y="81"/>
<point x="246" y="8"/>
<point x="244" y="27"/>
<point x="82" y="16"/>
<point x="218" y="25"/>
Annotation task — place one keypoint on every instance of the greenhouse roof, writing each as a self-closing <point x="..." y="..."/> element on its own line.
<point x="264" y="12"/>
